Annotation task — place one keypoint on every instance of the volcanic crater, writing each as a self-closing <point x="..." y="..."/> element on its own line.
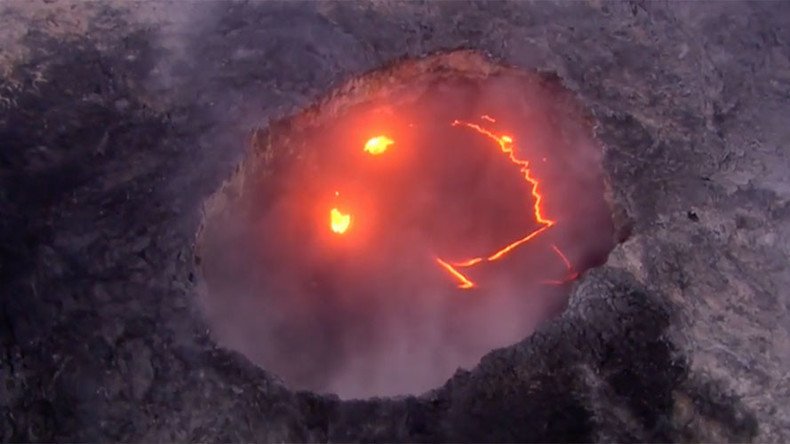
<point x="451" y="242"/>
<point x="333" y="221"/>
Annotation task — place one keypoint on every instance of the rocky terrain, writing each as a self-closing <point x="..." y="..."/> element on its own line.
<point x="118" y="120"/>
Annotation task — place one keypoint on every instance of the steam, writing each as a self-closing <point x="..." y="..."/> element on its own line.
<point x="370" y="313"/>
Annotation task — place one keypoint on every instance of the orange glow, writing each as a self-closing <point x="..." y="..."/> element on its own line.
<point x="571" y="276"/>
<point x="515" y="244"/>
<point x="505" y="143"/>
<point x="563" y="258"/>
<point x="377" y="145"/>
<point x="463" y="281"/>
<point x="468" y="263"/>
<point x="339" y="221"/>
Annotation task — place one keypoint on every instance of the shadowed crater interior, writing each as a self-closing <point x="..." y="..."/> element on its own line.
<point x="416" y="218"/>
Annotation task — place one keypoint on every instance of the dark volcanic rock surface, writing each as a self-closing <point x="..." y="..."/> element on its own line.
<point x="116" y="123"/>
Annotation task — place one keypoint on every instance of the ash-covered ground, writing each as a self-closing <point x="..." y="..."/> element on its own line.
<point x="118" y="121"/>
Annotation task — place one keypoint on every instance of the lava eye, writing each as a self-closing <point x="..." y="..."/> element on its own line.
<point x="339" y="221"/>
<point x="377" y="145"/>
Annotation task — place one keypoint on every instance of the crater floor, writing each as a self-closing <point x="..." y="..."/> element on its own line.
<point x="119" y="120"/>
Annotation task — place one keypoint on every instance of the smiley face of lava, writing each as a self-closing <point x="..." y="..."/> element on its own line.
<point x="394" y="237"/>
<point x="478" y="181"/>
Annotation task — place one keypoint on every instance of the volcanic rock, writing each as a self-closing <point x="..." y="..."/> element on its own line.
<point x="119" y="121"/>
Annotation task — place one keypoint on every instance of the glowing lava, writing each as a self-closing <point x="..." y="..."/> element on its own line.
<point x="339" y="221"/>
<point x="506" y="146"/>
<point x="463" y="281"/>
<point x="377" y="145"/>
<point x="572" y="274"/>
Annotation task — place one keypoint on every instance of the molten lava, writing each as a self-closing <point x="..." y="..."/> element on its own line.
<point x="506" y="146"/>
<point x="378" y="145"/>
<point x="572" y="274"/>
<point x="463" y="281"/>
<point x="339" y="222"/>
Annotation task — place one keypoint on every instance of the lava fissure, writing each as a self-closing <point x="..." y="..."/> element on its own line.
<point x="572" y="274"/>
<point x="506" y="146"/>
<point x="464" y="282"/>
